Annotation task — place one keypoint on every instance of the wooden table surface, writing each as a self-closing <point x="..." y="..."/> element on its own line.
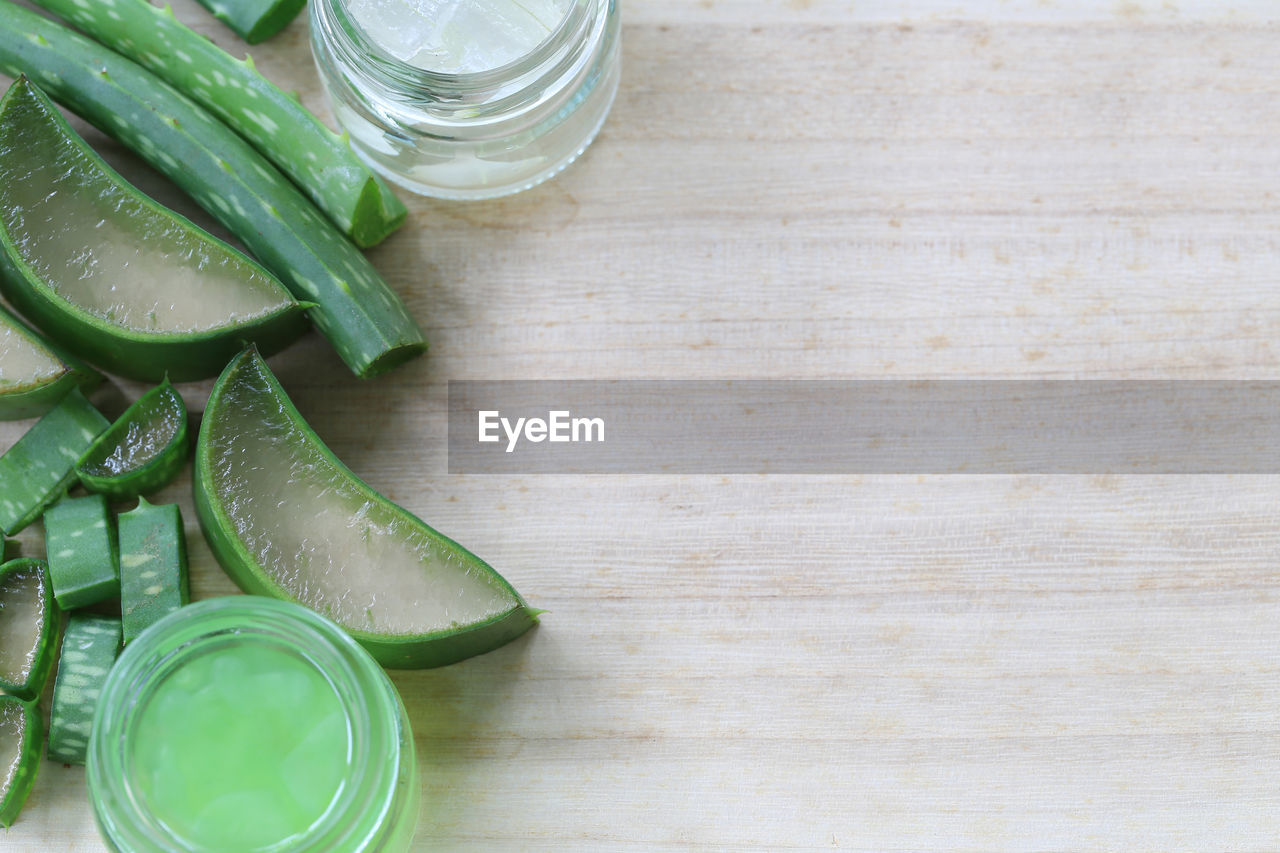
<point x="845" y="189"/>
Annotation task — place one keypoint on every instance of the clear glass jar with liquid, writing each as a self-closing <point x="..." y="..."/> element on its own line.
<point x="468" y="99"/>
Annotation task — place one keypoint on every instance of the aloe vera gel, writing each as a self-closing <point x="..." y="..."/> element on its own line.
<point x="248" y="724"/>
<point x="458" y="36"/>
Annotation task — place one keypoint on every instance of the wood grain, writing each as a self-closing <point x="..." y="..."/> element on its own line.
<point x="828" y="189"/>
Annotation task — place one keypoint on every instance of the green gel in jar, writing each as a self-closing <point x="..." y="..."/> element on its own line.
<point x="248" y="724"/>
<point x="244" y="746"/>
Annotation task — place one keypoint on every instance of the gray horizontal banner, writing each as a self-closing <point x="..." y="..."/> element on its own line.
<point x="864" y="427"/>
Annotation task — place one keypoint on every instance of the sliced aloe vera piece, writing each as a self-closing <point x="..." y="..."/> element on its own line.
<point x="89" y="648"/>
<point x="34" y="373"/>
<point x="354" y="308"/>
<point x="142" y="451"/>
<point x="21" y="739"/>
<point x="126" y="283"/>
<point x="153" y="565"/>
<point x="254" y="20"/>
<point x="28" y="627"/>
<point x="318" y="160"/>
<point x="84" y="563"/>
<point x="286" y="519"/>
<point x="37" y="470"/>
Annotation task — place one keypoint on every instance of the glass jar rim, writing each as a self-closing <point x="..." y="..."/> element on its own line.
<point x="356" y="818"/>
<point x="397" y="69"/>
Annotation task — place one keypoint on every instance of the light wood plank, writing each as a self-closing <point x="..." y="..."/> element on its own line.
<point x="823" y="188"/>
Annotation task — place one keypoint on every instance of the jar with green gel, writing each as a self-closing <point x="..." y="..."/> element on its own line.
<point x="248" y="724"/>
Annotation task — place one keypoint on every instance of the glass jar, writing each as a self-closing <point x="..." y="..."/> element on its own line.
<point x="373" y="805"/>
<point x="474" y="135"/>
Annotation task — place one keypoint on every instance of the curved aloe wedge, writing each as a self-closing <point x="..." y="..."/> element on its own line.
<point x="34" y="375"/>
<point x="286" y="519"/>
<point x="28" y="628"/>
<point x="354" y="308"/>
<point x="318" y="160"/>
<point x="21" y="739"/>
<point x="124" y="282"/>
<point x="142" y="451"/>
<point x="254" y="20"/>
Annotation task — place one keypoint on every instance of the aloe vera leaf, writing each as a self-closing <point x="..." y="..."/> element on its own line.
<point x="142" y="451"/>
<point x="354" y="308"/>
<point x="40" y="466"/>
<point x="34" y="372"/>
<point x="89" y="648"/>
<point x="21" y="740"/>
<point x="318" y="160"/>
<point x="80" y="541"/>
<point x="29" y="620"/>
<point x="126" y="283"/>
<point x="254" y="20"/>
<point x="286" y="519"/>
<point x="153" y="565"/>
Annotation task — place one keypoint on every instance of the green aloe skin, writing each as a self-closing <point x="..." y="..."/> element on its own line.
<point x="286" y="519"/>
<point x="254" y="20"/>
<point x="84" y="562"/>
<point x="35" y="373"/>
<point x="353" y="307"/>
<point x="30" y="632"/>
<point x="40" y="466"/>
<point x="142" y="451"/>
<point x="128" y="284"/>
<point x="89" y="648"/>
<point x="153" y="566"/>
<point x="21" y="741"/>
<point x="318" y="160"/>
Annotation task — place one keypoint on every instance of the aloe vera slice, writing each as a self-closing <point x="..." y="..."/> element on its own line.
<point x="318" y="160"/>
<point x="34" y="373"/>
<point x="80" y="541"/>
<point x="153" y="566"/>
<point x="123" y="281"/>
<point x="355" y="309"/>
<point x="254" y="20"/>
<point x="142" y="451"/>
<point x="286" y="519"/>
<point x="89" y="648"/>
<point x="28" y="628"/>
<point x="21" y="739"/>
<point x="37" y="470"/>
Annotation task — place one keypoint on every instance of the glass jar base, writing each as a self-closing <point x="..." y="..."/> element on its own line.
<point x="494" y="190"/>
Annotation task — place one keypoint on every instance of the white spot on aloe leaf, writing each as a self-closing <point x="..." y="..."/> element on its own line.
<point x="265" y="122"/>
